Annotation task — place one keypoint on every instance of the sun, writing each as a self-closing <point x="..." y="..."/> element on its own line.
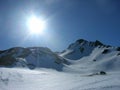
<point x="36" y="25"/>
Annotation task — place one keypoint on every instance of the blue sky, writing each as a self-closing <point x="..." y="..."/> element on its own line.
<point x="67" y="21"/>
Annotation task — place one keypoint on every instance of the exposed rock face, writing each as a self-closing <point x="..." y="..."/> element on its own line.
<point x="32" y="56"/>
<point x="82" y="48"/>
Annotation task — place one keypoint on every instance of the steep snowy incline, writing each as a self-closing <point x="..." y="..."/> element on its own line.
<point x="93" y="57"/>
<point x="97" y="61"/>
<point x="81" y="48"/>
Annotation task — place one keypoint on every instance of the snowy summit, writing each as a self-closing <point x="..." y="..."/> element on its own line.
<point x="84" y="65"/>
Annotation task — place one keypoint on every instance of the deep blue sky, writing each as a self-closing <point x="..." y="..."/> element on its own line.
<point x="67" y="21"/>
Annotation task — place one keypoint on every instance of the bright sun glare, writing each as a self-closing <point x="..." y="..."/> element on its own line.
<point x="36" y="25"/>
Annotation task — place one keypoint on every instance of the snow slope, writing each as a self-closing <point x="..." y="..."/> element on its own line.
<point x="46" y="79"/>
<point x="94" y="58"/>
<point x="32" y="57"/>
<point x="76" y="68"/>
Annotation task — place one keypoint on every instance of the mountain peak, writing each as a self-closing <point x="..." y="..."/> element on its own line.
<point x="91" y="43"/>
<point x="81" y="48"/>
<point x="97" y="42"/>
<point x="81" y="41"/>
<point x="31" y="57"/>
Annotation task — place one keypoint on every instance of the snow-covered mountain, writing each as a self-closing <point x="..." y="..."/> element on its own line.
<point x="85" y="65"/>
<point x="31" y="57"/>
<point x="92" y="56"/>
<point x="82" y="55"/>
<point x="81" y="48"/>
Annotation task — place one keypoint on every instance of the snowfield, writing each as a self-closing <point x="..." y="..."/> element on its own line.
<point x="83" y="65"/>
<point x="48" y="79"/>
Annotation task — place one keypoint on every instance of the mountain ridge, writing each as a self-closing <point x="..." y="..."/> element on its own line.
<point x="92" y="56"/>
<point x="31" y="57"/>
<point x="43" y="57"/>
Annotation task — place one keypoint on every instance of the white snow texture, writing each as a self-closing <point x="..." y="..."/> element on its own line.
<point x="78" y="67"/>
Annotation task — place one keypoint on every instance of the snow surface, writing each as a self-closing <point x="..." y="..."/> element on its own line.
<point x="48" y="79"/>
<point x="82" y="72"/>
